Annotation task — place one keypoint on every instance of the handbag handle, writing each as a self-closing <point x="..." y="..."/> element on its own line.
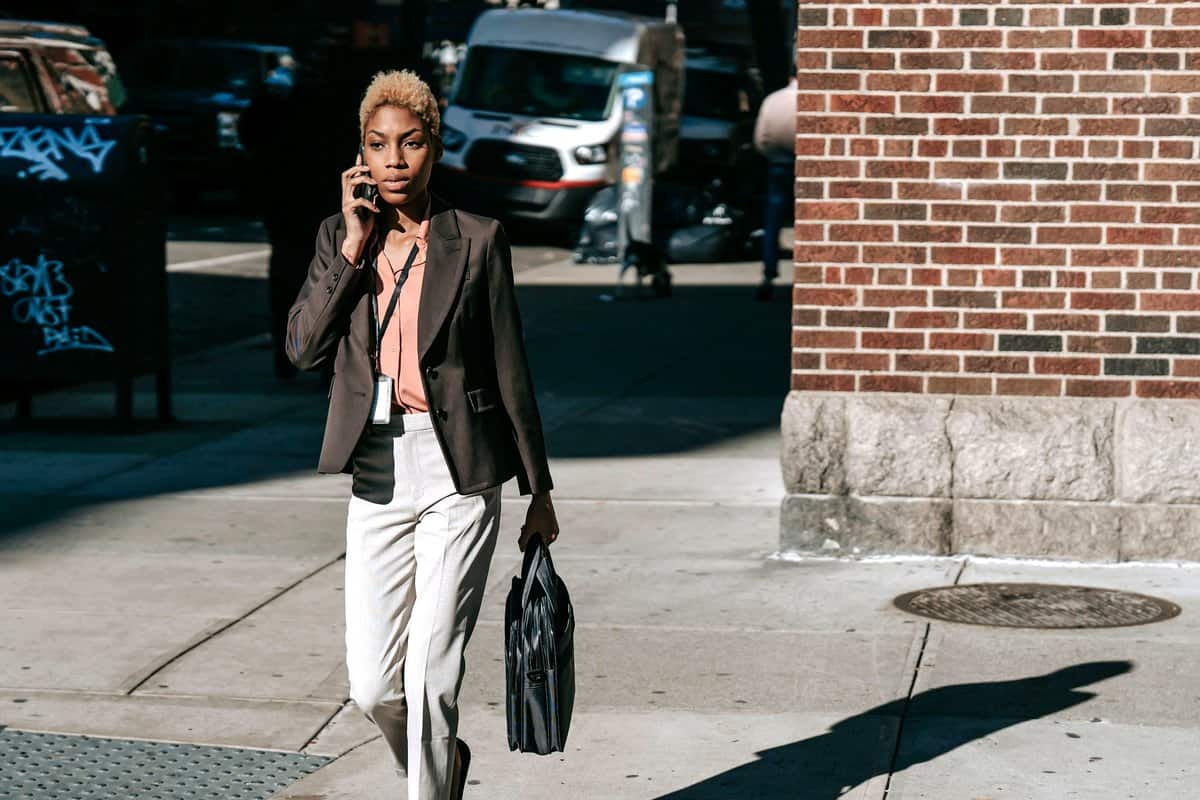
<point x="536" y="552"/>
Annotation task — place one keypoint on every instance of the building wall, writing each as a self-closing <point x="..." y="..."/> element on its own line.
<point x="996" y="322"/>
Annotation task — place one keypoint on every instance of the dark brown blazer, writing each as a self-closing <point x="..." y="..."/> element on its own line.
<point x="470" y="343"/>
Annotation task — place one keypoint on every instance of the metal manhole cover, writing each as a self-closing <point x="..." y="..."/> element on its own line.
<point x="1036" y="605"/>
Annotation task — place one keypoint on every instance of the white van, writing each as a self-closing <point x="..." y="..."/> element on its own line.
<point x="533" y="123"/>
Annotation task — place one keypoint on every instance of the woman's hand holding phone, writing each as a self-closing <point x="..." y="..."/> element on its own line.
<point x="357" y="210"/>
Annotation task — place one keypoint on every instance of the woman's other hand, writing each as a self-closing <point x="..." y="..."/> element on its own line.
<point x="358" y="224"/>
<point x="539" y="519"/>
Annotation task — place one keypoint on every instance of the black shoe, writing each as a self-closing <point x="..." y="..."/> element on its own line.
<point x="464" y="753"/>
<point x="765" y="291"/>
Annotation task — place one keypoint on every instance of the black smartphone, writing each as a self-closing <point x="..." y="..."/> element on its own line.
<point x="365" y="190"/>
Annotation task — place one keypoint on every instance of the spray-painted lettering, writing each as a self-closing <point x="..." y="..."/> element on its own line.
<point x="45" y="148"/>
<point x="43" y="298"/>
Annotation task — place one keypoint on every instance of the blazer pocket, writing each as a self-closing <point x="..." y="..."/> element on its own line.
<point x="482" y="399"/>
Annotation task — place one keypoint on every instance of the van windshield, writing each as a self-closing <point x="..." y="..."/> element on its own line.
<point x="536" y="83"/>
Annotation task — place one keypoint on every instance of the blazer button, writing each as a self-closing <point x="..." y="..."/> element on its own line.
<point x="441" y="412"/>
<point x="328" y="290"/>
<point x="432" y="373"/>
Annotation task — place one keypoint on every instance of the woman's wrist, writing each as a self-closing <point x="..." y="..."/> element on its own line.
<point x="352" y="251"/>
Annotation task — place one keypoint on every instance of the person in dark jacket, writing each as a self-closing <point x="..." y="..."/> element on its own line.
<point x="431" y="408"/>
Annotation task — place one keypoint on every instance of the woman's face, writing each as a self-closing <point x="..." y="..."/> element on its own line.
<point x="400" y="154"/>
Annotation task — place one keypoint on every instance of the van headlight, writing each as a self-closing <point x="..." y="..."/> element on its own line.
<point x="591" y="154"/>
<point x="227" y="130"/>
<point x="452" y="138"/>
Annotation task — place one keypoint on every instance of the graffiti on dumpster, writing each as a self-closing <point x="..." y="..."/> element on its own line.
<point x="45" y="149"/>
<point x="43" y="294"/>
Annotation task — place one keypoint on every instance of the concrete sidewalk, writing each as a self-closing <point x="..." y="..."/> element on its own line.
<point x="183" y="584"/>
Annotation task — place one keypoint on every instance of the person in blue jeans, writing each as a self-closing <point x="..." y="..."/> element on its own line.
<point x="775" y="136"/>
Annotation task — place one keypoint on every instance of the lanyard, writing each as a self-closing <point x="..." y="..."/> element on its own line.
<point x="380" y="327"/>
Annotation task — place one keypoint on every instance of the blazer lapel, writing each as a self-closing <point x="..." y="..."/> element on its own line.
<point x="445" y="263"/>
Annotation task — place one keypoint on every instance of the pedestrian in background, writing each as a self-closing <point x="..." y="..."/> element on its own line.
<point x="775" y="138"/>
<point x="287" y="130"/>
<point x="431" y="409"/>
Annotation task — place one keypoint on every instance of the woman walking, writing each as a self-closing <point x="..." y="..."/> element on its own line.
<point x="431" y="409"/>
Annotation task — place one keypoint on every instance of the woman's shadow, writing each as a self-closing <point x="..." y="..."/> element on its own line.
<point x="861" y="747"/>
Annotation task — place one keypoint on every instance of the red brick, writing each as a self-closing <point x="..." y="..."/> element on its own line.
<point x="863" y="103"/>
<point x="823" y="383"/>
<point x="1029" y="387"/>
<point x="1110" y="40"/>
<point x="875" y="340"/>
<point x="860" y="233"/>
<point x="837" y="254"/>
<point x="1083" y="388"/>
<point x="1032" y="256"/>
<point x="826" y="211"/>
<point x="894" y="254"/>
<point x="998" y="321"/>
<point x="857" y="361"/>
<point x="804" y="296"/>
<point x="964" y="299"/>
<point x="922" y="362"/>
<point x="806" y="316"/>
<point x="962" y="277"/>
<point x="1066" y="322"/>
<point x="1049" y="365"/>
<point x="999" y="277"/>
<point x="806" y="360"/>
<point x="1032" y="299"/>
<point x="1171" y="302"/>
<point x="964" y="255"/>
<point x="1099" y="344"/>
<point x="926" y="319"/>
<point x="1186" y="368"/>
<point x="1009" y="364"/>
<point x="838" y="318"/>
<point x="1103" y="300"/>
<point x="1180" y="390"/>
<point x="890" y="383"/>
<point x="961" y="341"/>
<point x="1069" y="280"/>
<point x="939" y="384"/>
<point x="823" y="339"/>
<point x="893" y="298"/>
<point x="859" y="275"/>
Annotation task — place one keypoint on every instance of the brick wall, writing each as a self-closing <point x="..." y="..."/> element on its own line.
<point x="998" y="199"/>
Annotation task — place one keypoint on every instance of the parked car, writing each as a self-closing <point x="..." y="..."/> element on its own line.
<point x="55" y="68"/>
<point x="197" y="89"/>
<point x="532" y="127"/>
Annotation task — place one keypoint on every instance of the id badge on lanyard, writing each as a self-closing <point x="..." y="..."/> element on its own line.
<point x="381" y="401"/>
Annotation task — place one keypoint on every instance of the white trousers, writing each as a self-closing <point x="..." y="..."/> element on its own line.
<point x="417" y="561"/>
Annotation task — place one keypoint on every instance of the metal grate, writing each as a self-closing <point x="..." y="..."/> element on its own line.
<point x="47" y="766"/>
<point x="1036" y="605"/>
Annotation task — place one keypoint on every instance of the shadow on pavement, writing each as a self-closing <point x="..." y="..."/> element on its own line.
<point x="825" y="767"/>
<point x="613" y="379"/>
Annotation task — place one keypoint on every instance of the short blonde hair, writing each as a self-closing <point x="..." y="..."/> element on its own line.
<point x="403" y="88"/>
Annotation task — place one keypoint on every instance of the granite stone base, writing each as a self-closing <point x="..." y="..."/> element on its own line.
<point x="1081" y="478"/>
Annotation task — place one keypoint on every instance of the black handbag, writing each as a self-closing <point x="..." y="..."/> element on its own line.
<point x="539" y="655"/>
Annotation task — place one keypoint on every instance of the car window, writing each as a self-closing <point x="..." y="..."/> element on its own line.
<point x="80" y="87"/>
<point x="17" y="89"/>
<point x="536" y="83"/>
